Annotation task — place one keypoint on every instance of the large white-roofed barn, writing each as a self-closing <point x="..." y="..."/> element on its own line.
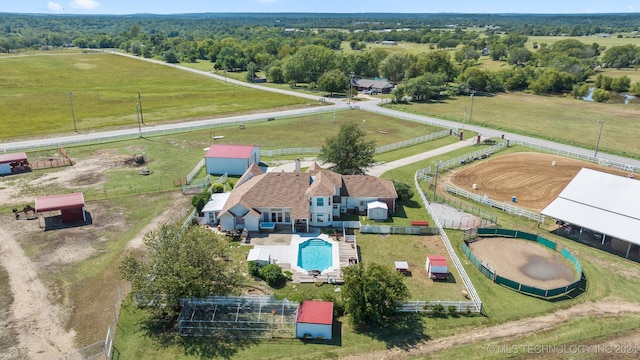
<point x="602" y="208"/>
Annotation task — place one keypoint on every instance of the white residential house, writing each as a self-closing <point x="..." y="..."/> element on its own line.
<point x="314" y="198"/>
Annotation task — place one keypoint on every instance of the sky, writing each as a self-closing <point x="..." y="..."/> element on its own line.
<point x="121" y="7"/>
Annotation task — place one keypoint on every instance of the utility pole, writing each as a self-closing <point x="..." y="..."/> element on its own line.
<point x="601" y="122"/>
<point x="471" y="111"/>
<point x="140" y="103"/>
<point x="350" y="91"/>
<point x="73" y="116"/>
<point x="139" y="113"/>
<point x="464" y="118"/>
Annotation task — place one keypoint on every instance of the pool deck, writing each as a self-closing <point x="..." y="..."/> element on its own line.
<point x="283" y="248"/>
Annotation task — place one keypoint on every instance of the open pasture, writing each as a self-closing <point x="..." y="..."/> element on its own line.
<point x="35" y="97"/>
<point x="561" y="119"/>
<point x="530" y="177"/>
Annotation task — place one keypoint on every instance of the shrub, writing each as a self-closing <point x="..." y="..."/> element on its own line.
<point x="600" y="95"/>
<point x="217" y="188"/>
<point x="437" y="310"/>
<point x="452" y="310"/>
<point x="272" y="274"/>
<point x="254" y="268"/>
<point x="200" y="200"/>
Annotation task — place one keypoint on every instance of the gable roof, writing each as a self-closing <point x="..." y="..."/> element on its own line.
<point x="315" y="312"/>
<point x="252" y="171"/>
<point x="372" y="84"/>
<point x="437" y="260"/>
<point x="13" y="157"/>
<point x="368" y="186"/>
<point x="257" y="189"/>
<point x="59" y="202"/>
<point x="230" y="151"/>
<point x="274" y="189"/>
<point x="324" y="183"/>
<point x="602" y="202"/>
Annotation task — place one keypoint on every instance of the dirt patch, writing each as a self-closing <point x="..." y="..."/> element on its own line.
<point x="530" y="177"/>
<point x="524" y="261"/>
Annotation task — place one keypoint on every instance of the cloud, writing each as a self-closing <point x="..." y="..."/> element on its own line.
<point x="84" y="4"/>
<point x="54" y="6"/>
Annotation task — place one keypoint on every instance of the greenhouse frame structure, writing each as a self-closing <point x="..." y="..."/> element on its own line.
<point x="238" y="317"/>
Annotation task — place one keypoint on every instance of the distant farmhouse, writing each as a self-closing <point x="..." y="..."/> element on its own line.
<point x="299" y="200"/>
<point x="372" y="86"/>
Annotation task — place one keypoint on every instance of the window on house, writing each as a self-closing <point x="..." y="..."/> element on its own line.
<point x="320" y="218"/>
<point x="320" y="202"/>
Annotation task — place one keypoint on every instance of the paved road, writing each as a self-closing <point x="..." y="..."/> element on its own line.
<point x="369" y="104"/>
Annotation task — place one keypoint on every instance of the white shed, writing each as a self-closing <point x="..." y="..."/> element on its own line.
<point x="231" y="159"/>
<point x="377" y="210"/>
<point x="260" y="255"/>
<point x="315" y="320"/>
<point x="211" y="210"/>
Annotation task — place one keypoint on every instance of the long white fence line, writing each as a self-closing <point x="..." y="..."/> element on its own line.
<point x="599" y="161"/>
<point x="411" y="142"/>
<point x="454" y="257"/>
<point x="378" y="150"/>
<point x="511" y="209"/>
<point x="427" y="306"/>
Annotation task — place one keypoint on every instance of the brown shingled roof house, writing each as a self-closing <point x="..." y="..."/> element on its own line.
<point x="260" y="200"/>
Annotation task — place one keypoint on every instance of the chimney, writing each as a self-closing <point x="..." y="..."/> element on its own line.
<point x="297" y="165"/>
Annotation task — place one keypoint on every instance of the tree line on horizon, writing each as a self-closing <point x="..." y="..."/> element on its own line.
<point x="313" y="57"/>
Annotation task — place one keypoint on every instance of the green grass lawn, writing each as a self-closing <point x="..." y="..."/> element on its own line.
<point x="35" y="97"/>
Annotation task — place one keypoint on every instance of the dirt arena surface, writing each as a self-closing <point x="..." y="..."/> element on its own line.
<point x="511" y="258"/>
<point x="530" y="177"/>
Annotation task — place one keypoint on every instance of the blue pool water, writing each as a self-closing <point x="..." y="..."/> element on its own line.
<point x="315" y="254"/>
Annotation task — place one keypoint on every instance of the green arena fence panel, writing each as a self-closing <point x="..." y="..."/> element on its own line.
<point x="548" y="243"/>
<point x="526" y="236"/>
<point x="507" y="232"/>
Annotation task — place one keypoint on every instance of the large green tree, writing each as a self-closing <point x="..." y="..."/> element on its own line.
<point x="333" y="81"/>
<point x="372" y="293"/>
<point x="181" y="263"/>
<point x="349" y="151"/>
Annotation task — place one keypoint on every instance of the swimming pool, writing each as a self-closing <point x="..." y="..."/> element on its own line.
<point x="315" y="254"/>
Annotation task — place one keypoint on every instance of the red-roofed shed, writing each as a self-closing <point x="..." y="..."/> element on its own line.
<point x="13" y="163"/>
<point x="70" y="205"/>
<point x="315" y="320"/>
<point x="437" y="267"/>
<point x="231" y="159"/>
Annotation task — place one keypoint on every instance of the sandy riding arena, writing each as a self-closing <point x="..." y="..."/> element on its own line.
<point x="530" y="177"/>
<point x="524" y="261"/>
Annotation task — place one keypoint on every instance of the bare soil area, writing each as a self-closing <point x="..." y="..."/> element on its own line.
<point x="530" y="177"/>
<point x="510" y="258"/>
<point x="41" y="311"/>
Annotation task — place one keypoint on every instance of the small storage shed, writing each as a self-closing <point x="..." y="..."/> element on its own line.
<point x="13" y="163"/>
<point x="377" y="210"/>
<point x="70" y="205"/>
<point x="315" y="320"/>
<point x="261" y="256"/>
<point x="212" y="208"/>
<point x="437" y="267"/>
<point x="231" y="159"/>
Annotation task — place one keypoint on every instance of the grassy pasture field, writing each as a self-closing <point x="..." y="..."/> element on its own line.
<point x="34" y="97"/>
<point x="561" y="119"/>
